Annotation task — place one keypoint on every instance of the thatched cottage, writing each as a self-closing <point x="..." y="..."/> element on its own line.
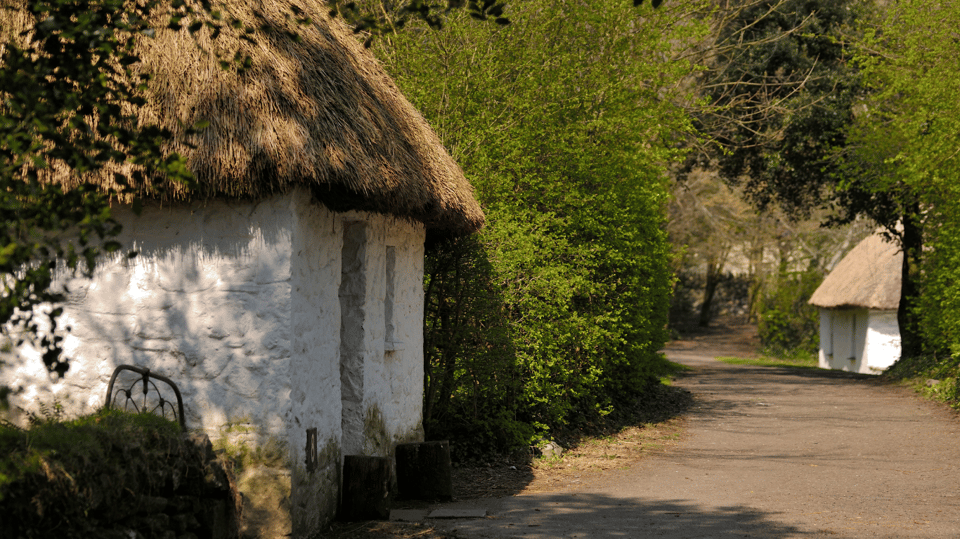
<point x="284" y="294"/>
<point x="858" y="308"/>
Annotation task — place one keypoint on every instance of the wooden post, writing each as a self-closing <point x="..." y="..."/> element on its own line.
<point x="366" y="488"/>
<point x="424" y="471"/>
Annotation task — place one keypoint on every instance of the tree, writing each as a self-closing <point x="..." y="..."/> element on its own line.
<point x="710" y="225"/>
<point x="784" y="87"/>
<point x="904" y="145"/>
<point x="764" y="264"/>
<point x="781" y="87"/>
<point x="563" y="121"/>
<point x="864" y="123"/>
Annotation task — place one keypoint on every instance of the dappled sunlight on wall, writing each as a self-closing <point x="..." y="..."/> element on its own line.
<point x="206" y="302"/>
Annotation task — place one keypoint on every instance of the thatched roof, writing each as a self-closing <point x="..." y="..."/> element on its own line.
<point x="317" y="112"/>
<point x="868" y="277"/>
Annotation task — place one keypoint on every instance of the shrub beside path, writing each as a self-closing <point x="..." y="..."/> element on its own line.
<point x="769" y="452"/>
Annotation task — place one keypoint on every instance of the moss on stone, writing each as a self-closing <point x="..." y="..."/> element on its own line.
<point x="315" y="493"/>
<point x="273" y="453"/>
<point x="376" y="441"/>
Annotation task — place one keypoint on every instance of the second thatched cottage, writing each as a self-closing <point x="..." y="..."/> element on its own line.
<point x="858" y="308"/>
<point x="284" y="293"/>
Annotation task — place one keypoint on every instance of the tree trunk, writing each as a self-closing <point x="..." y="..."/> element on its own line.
<point x="756" y="281"/>
<point x="709" y="290"/>
<point x="911" y="341"/>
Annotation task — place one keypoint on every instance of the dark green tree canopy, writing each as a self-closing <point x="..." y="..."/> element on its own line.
<point x="781" y="89"/>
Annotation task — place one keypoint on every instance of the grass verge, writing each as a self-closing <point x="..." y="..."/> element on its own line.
<point x="937" y="379"/>
<point x="797" y="361"/>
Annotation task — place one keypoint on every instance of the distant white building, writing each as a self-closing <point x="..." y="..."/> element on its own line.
<point x="858" y="309"/>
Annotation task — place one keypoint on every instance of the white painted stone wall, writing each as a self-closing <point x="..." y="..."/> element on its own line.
<point x="206" y="302"/>
<point x="882" y="347"/>
<point x="389" y="368"/>
<point x="858" y="340"/>
<point x="825" y="355"/>
<point x="314" y="374"/>
<point x="239" y="303"/>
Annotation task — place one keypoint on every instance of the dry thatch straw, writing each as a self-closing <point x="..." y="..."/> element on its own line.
<point x="868" y="277"/>
<point x="317" y="112"/>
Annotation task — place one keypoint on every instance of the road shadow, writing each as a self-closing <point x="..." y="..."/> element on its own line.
<point x="734" y="399"/>
<point x="511" y="474"/>
<point x="720" y="389"/>
<point x="598" y="515"/>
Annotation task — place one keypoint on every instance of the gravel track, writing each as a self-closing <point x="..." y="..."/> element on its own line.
<point x="769" y="452"/>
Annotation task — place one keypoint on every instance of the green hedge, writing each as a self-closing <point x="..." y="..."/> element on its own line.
<point x="564" y="122"/>
<point x="787" y="322"/>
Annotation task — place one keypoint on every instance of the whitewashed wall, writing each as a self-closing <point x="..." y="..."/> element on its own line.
<point x="858" y="340"/>
<point x="882" y="347"/>
<point x="240" y="303"/>
<point x="825" y="355"/>
<point x="389" y="369"/>
<point x="839" y="332"/>
<point x="206" y="302"/>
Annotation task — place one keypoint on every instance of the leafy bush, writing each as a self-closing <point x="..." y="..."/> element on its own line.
<point x="69" y="469"/>
<point x="939" y="301"/>
<point x="935" y="377"/>
<point x="787" y="322"/>
<point x="555" y="311"/>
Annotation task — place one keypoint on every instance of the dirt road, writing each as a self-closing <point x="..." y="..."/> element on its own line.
<point x="776" y="453"/>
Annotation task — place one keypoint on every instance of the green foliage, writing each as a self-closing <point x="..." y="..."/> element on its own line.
<point x="939" y="304"/>
<point x="787" y="322"/>
<point x="563" y="121"/>
<point x="910" y="63"/>
<point x="794" y="359"/>
<point x="945" y="390"/>
<point x="935" y="377"/>
<point x="67" y="120"/>
<point x="68" y="467"/>
<point x="909" y="131"/>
